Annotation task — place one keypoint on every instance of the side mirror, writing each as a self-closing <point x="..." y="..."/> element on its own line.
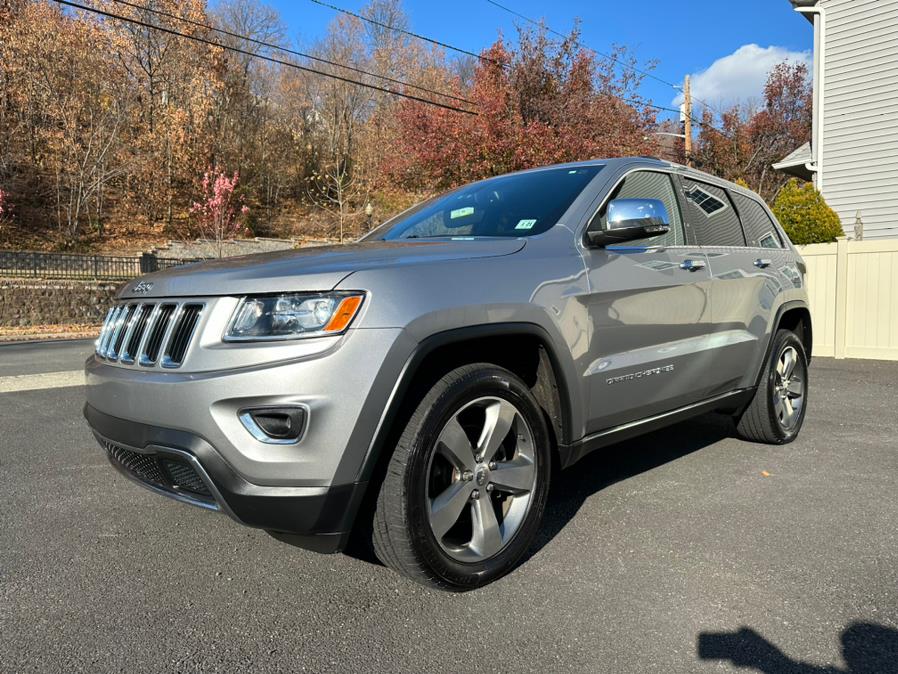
<point x="630" y="219"/>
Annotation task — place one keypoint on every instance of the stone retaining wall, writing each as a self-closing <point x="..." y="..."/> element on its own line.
<point x="26" y="302"/>
<point x="203" y="248"/>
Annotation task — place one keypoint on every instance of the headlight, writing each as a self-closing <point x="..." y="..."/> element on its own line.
<point x="292" y="315"/>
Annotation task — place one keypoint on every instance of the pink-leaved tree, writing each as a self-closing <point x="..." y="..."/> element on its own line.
<point x="221" y="214"/>
<point x="5" y="208"/>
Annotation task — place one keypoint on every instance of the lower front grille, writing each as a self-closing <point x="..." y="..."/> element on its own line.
<point x="169" y="473"/>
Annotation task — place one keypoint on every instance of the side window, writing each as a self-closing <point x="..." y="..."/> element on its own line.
<point x="759" y="228"/>
<point x="711" y="215"/>
<point x="653" y="185"/>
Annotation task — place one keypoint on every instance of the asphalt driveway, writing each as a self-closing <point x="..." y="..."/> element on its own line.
<point x="683" y="551"/>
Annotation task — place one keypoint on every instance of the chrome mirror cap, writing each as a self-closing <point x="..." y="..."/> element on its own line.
<point x="626" y="213"/>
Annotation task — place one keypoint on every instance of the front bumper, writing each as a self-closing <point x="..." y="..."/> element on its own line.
<point x="185" y="467"/>
<point x="342" y="383"/>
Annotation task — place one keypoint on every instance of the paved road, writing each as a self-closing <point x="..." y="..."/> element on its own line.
<point x="33" y="358"/>
<point x="684" y="551"/>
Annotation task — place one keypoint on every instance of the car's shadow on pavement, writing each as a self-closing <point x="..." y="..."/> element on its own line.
<point x="867" y="648"/>
<point x="621" y="461"/>
<point x="570" y="488"/>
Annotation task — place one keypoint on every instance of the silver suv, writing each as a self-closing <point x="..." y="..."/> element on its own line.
<point x="417" y="389"/>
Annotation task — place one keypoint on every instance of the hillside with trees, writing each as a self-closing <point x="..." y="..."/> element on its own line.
<point x="116" y="135"/>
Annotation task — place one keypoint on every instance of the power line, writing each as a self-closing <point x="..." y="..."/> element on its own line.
<point x="375" y="22"/>
<point x="270" y="45"/>
<point x="595" y="51"/>
<point x="634" y="102"/>
<point x="265" y="57"/>
<point x="526" y="18"/>
<point x="615" y="60"/>
<point x="325" y="74"/>
<point x="634" y="69"/>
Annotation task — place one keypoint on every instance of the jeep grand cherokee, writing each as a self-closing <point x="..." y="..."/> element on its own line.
<point x="417" y="388"/>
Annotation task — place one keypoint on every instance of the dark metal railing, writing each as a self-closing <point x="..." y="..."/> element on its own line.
<point x="74" y="266"/>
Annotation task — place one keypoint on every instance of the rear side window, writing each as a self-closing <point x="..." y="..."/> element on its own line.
<point x="759" y="228"/>
<point x="711" y="215"/>
<point x="653" y="185"/>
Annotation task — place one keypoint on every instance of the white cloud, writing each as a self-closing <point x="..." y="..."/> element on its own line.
<point x="740" y="76"/>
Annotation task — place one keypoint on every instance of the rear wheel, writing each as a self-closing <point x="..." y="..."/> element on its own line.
<point x="467" y="484"/>
<point x="776" y="412"/>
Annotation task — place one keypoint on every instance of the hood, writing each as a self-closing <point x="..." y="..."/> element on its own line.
<point x="318" y="268"/>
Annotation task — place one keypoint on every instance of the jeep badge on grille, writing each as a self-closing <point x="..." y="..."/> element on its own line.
<point x="142" y="287"/>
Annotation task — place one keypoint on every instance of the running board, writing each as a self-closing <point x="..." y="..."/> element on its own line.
<point x="732" y="401"/>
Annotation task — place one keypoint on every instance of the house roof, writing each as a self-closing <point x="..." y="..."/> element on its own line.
<point x="805" y="3"/>
<point x="796" y="162"/>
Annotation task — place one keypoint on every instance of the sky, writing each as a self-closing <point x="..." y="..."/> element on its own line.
<point x="728" y="47"/>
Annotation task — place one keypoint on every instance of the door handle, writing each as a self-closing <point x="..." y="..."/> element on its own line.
<point x="762" y="263"/>
<point x="692" y="265"/>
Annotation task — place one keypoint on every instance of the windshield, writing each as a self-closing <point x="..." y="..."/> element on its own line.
<point x="522" y="204"/>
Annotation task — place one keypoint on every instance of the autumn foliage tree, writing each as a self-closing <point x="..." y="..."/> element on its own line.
<point x="542" y="103"/>
<point x="65" y="95"/>
<point x="5" y="208"/>
<point x="220" y="213"/>
<point x="107" y="125"/>
<point x="745" y="142"/>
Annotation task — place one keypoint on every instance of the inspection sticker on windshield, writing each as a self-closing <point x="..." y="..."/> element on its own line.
<point x="461" y="212"/>
<point x="525" y="224"/>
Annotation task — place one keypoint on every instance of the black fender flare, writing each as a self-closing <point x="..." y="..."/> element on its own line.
<point x="780" y="312"/>
<point x="376" y="442"/>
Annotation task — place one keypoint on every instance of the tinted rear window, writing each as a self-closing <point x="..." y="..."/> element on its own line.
<point x="711" y="216"/>
<point x="759" y="228"/>
<point x="523" y="204"/>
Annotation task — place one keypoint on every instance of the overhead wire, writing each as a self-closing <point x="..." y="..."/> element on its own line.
<point x="397" y="29"/>
<point x="269" y="45"/>
<point x="196" y="38"/>
<point x="614" y="59"/>
<point x="265" y="57"/>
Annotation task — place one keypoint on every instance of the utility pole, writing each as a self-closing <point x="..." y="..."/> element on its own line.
<point x="687" y="120"/>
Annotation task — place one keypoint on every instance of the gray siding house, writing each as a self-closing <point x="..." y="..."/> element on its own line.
<point x="853" y="155"/>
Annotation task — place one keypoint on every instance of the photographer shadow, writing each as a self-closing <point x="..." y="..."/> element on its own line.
<point x="867" y="648"/>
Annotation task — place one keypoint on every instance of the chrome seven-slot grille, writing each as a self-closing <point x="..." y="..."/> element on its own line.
<point x="149" y="333"/>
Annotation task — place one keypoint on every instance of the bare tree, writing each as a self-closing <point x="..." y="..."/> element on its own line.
<point x="341" y="192"/>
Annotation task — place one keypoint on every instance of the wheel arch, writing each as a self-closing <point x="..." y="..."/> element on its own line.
<point x="793" y="315"/>
<point x="438" y="354"/>
<point x="797" y="318"/>
<point x="523" y="348"/>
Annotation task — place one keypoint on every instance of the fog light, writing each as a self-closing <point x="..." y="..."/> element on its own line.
<point x="274" y="425"/>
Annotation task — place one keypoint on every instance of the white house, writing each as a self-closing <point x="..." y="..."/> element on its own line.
<point x="853" y="154"/>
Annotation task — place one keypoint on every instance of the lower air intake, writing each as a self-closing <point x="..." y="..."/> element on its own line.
<point x="161" y="471"/>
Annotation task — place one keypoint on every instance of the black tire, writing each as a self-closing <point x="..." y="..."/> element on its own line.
<point x="402" y="535"/>
<point x="762" y="421"/>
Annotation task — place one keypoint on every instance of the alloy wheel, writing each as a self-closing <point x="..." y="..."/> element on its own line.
<point x="480" y="479"/>
<point x="788" y="388"/>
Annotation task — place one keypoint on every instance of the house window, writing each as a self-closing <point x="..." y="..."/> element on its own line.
<point x="707" y="202"/>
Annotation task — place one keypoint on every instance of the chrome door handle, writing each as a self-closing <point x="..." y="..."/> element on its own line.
<point x="762" y="263"/>
<point x="692" y="265"/>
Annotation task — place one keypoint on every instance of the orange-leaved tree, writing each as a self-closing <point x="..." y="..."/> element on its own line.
<point x="544" y="103"/>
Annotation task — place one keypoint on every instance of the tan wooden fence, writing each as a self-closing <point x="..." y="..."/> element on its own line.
<point x="853" y="287"/>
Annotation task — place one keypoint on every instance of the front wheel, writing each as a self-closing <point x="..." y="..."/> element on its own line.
<point x="776" y="412"/>
<point x="467" y="484"/>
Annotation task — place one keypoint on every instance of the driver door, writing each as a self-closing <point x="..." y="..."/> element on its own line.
<point x="649" y="313"/>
